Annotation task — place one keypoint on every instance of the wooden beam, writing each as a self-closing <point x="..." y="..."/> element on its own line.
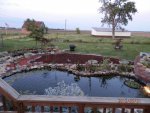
<point x="9" y="92"/>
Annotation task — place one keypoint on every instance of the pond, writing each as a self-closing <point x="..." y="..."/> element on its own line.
<point x="55" y="82"/>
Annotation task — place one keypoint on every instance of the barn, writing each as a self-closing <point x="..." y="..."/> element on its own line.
<point x="107" y="32"/>
<point x="24" y="27"/>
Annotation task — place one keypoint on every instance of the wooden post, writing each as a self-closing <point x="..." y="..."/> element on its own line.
<point x="146" y="110"/>
<point x="4" y="103"/>
<point x="81" y="108"/>
<point x="14" y="105"/>
<point x="69" y="109"/>
<point x="123" y="110"/>
<point x="132" y="110"/>
<point x="94" y="109"/>
<point x="51" y="109"/>
<point x="42" y="108"/>
<point x="20" y="107"/>
<point x="113" y="110"/>
<point x="104" y="110"/>
<point x="60" y="109"/>
<point x="33" y="108"/>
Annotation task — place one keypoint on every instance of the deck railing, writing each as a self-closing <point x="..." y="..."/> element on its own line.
<point x="51" y="104"/>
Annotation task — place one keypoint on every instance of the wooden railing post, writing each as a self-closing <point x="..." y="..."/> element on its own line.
<point x="132" y="110"/>
<point x="146" y="110"/>
<point x="113" y="110"/>
<point x="81" y="108"/>
<point x="51" y="109"/>
<point x="94" y="109"/>
<point x="123" y="110"/>
<point x="69" y="109"/>
<point x="104" y="110"/>
<point x="14" y="104"/>
<point x="33" y="108"/>
<point x="42" y="108"/>
<point x="60" y="109"/>
<point x="4" y="103"/>
<point x="20" y="107"/>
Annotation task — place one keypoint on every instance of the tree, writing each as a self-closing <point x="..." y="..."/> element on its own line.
<point x="77" y="30"/>
<point x="36" y="32"/>
<point x="117" y="13"/>
<point x="2" y="40"/>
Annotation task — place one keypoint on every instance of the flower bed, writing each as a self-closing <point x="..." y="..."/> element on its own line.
<point x="78" y="64"/>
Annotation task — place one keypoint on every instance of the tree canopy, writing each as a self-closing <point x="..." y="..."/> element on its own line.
<point x="117" y="13"/>
<point x="36" y="31"/>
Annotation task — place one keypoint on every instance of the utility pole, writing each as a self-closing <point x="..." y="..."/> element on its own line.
<point x="6" y="27"/>
<point x="65" y="25"/>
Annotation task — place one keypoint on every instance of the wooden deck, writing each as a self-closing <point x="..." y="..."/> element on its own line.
<point x="20" y="103"/>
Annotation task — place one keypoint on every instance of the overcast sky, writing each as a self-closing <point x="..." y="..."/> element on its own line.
<point x="78" y="13"/>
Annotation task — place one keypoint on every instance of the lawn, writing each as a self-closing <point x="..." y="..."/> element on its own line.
<point x="86" y="44"/>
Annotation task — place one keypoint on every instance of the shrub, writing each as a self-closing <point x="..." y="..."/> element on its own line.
<point x="66" y="40"/>
<point x="105" y="65"/>
<point x="77" y="30"/>
<point x="118" y="44"/>
<point x="125" y="68"/>
<point x="100" y="40"/>
<point x="79" y="67"/>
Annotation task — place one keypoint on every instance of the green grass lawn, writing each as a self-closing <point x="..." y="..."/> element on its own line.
<point x="86" y="44"/>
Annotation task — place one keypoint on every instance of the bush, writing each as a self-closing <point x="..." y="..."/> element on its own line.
<point x="77" y="30"/>
<point x="124" y="68"/>
<point x="66" y="40"/>
<point x="118" y="45"/>
<point x="79" y="67"/>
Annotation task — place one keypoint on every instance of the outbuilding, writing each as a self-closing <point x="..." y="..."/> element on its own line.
<point x="24" y="27"/>
<point x="107" y="32"/>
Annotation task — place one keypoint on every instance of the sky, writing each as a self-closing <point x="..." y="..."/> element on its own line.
<point x="77" y="13"/>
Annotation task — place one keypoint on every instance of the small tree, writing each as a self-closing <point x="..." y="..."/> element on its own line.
<point x="117" y="13"/>
<point x="2" y="40"/>
<point x="77" y="30"/>
<point x="36" y="31"/>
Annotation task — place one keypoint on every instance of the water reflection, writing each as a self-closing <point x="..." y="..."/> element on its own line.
<point x="40" y="80"/>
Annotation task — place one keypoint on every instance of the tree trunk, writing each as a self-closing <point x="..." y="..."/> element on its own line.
<point x="113" y="32"/>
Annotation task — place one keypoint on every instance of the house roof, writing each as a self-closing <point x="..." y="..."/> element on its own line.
<point x="38" y="23"/>
<point x="107" y="29"/>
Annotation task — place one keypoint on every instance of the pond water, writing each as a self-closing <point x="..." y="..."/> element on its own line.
<point x="54" y="82"/>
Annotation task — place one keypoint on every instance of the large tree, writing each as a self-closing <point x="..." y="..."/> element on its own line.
<point x="36" y="32"/>
<point x="117" y="13"/>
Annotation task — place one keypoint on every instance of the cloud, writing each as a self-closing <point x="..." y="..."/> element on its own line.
<point x="81" y="13"/>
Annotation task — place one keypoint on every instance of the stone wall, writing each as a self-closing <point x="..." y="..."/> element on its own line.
<point x="141" y="71"/>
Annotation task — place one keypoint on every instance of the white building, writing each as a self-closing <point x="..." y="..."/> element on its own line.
<point x="107" y="32"/>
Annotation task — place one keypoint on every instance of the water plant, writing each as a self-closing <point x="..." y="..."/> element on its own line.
<point x="64" y="89"/>
<point x="104" y="66"/>
<point x="132" y="84"/>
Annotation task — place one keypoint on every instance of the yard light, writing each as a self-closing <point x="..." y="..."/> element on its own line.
<point x="147" y="90"/>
